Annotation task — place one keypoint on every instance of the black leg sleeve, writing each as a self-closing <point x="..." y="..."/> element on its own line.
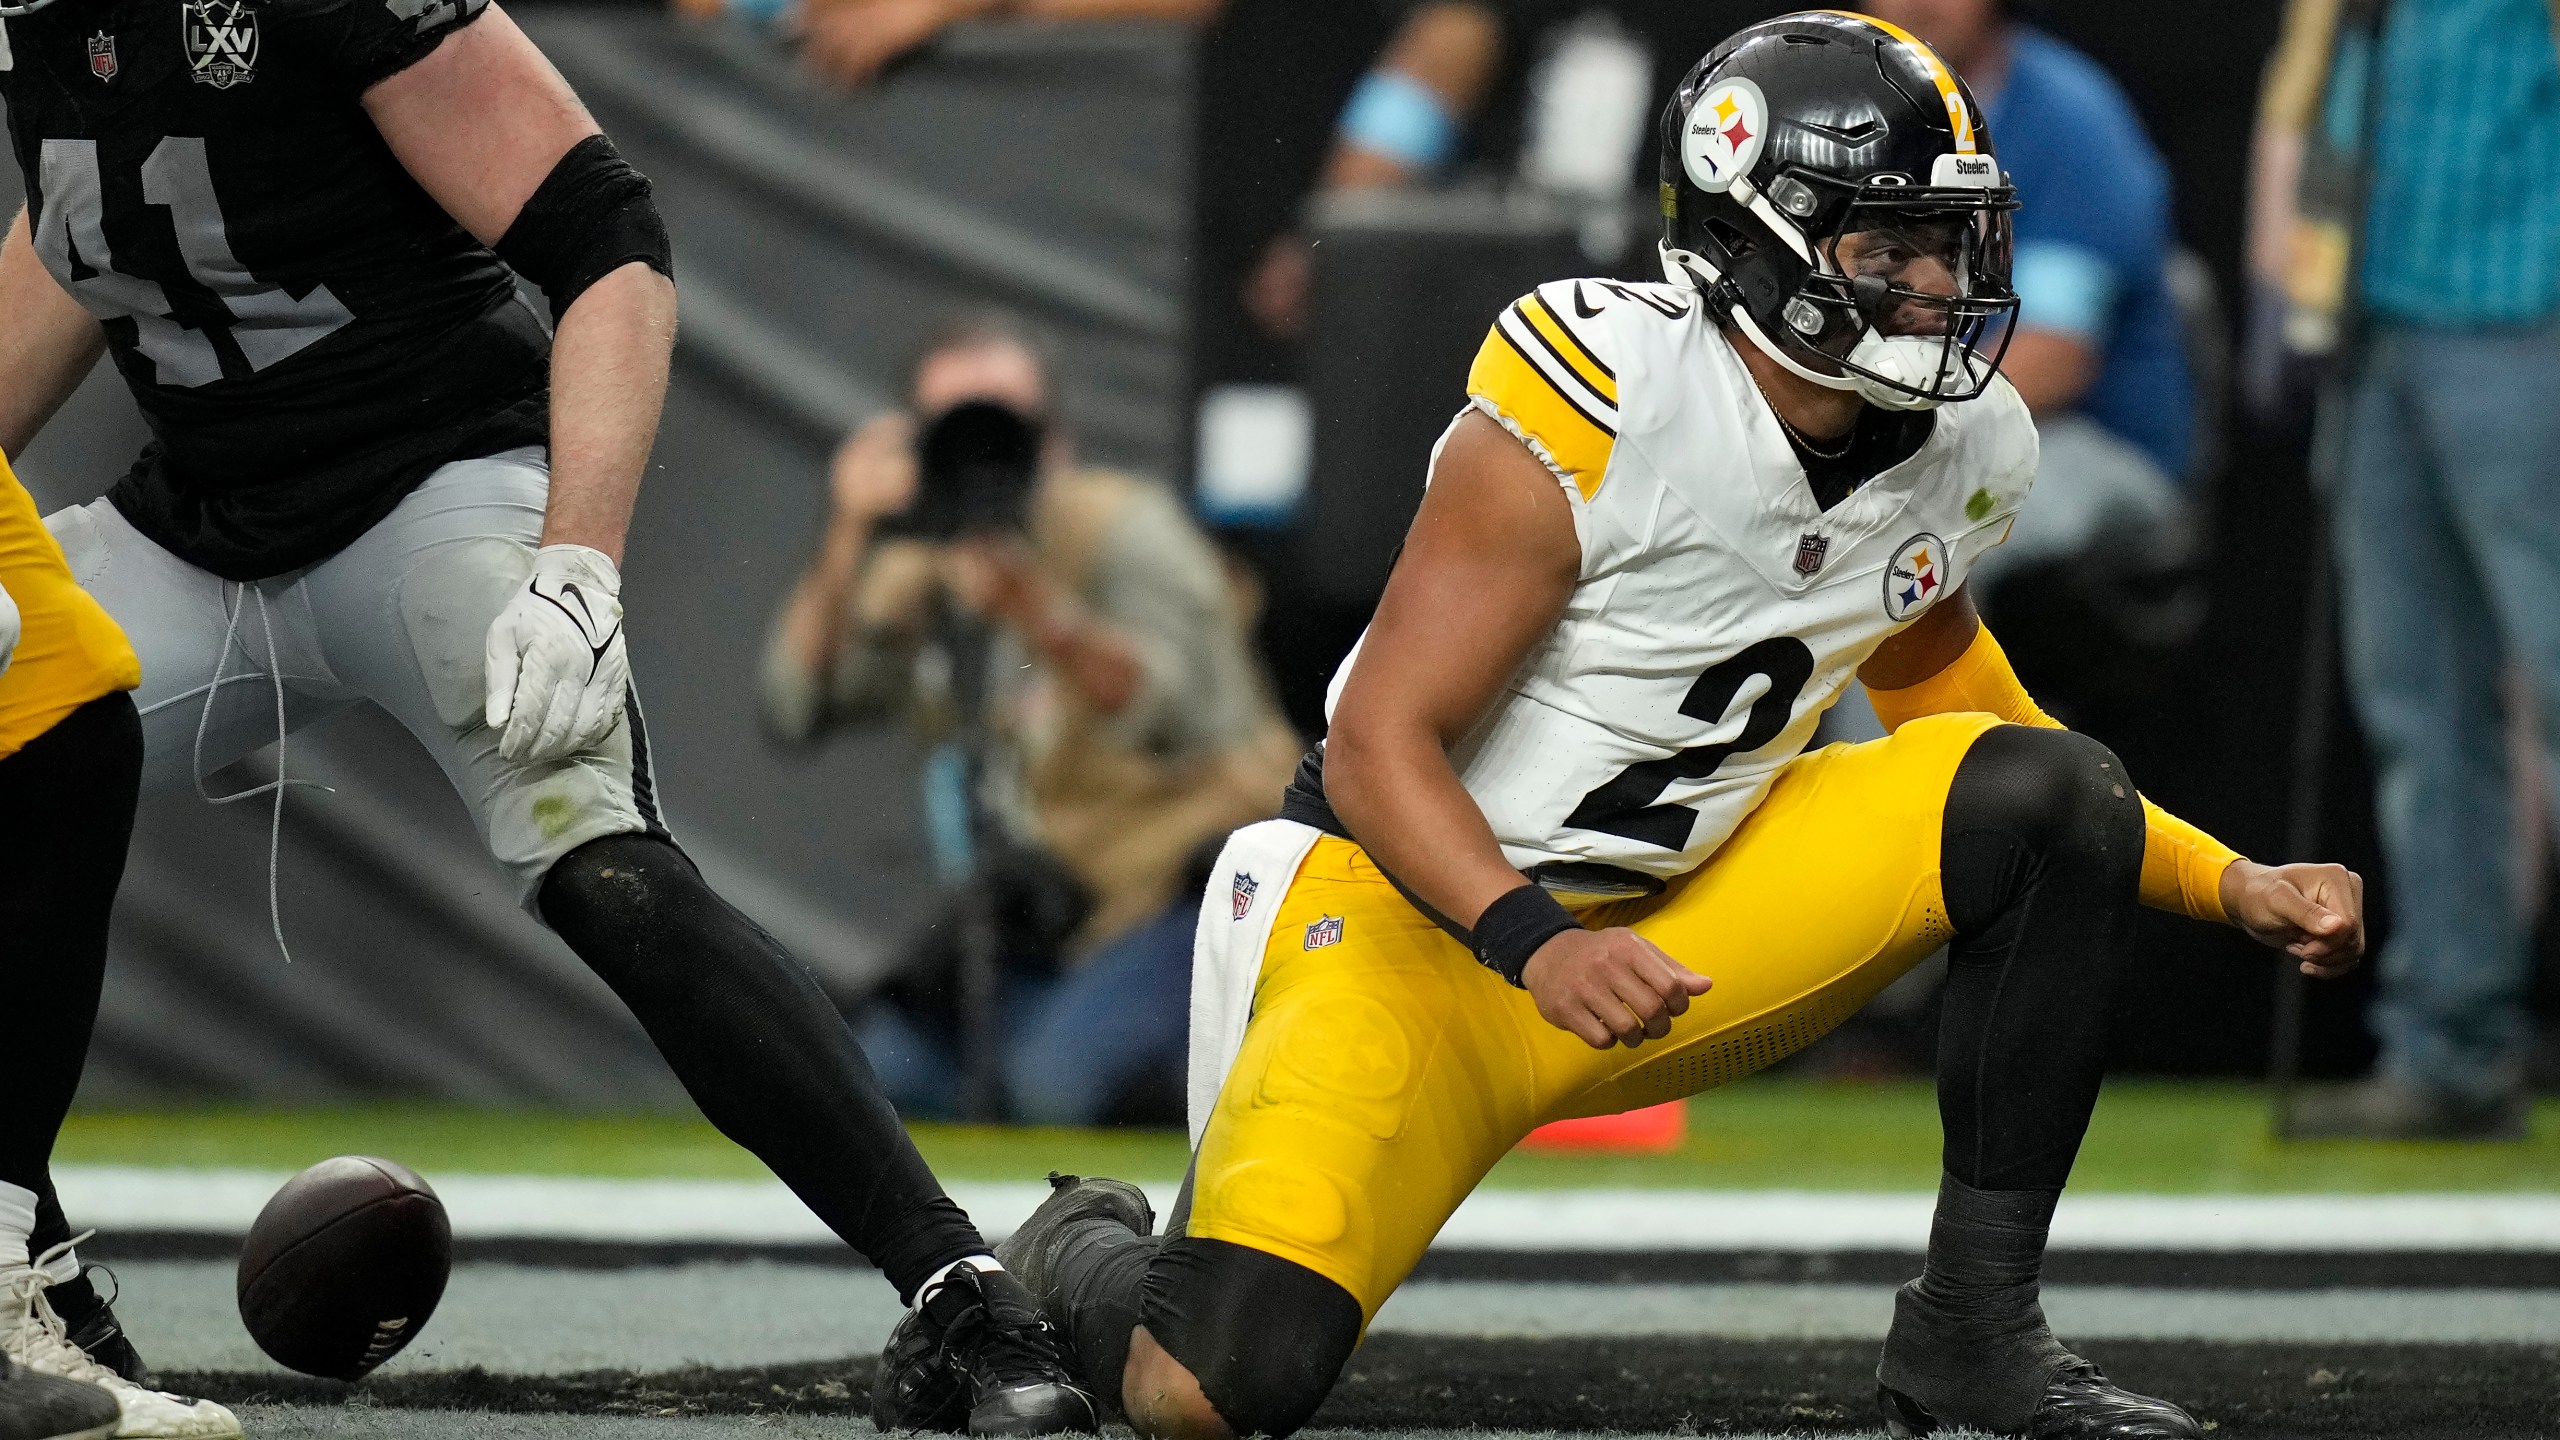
<point x="1265" y="1337"/>
<point x="2039" y="863"/>
<point x="66" y="815"/>
<point x="2041" y="860"/>
<point x="759" y="1048"/>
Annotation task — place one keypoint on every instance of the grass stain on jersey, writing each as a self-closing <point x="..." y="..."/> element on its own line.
<point x="555" y="814"/>
<point x="1978" y="504"/>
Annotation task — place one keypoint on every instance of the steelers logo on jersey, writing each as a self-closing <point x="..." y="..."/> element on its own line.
<point x="1916" y="578"/>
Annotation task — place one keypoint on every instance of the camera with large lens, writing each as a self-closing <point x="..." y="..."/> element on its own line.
<point x="977" y="463"/>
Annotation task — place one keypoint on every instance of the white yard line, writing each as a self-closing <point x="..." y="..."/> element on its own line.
<point x="513" y="1319"/>
<point x="763" y="1212"/>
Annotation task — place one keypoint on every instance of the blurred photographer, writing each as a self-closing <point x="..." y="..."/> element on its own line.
<point x="1079" y="649"/>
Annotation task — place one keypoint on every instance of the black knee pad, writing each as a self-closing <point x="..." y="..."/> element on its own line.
<point x="1265" y="1337"/>
<point x="2026" y="798"/>
<point x="610" y="896"/>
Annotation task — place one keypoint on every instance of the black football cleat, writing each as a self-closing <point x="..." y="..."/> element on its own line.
<point x="90" y="1320"/>
<point x="2079" y="1403"/>
<point x="975" y="1357"/>
<point x="47" y="1407"/>
<point x="1030" y="1254"/>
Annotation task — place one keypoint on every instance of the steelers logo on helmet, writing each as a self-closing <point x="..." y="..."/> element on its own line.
<point x="1726" y="130"/>
<point x="1916" y="576"/>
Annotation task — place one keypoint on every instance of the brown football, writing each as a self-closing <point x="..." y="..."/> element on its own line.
<point x="344" y="1266"/>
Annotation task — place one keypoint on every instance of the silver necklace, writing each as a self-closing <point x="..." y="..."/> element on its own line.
<point x="1803" y="441"/>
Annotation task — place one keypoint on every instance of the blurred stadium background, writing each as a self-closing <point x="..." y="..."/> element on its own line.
<point x="1117" y="182"/>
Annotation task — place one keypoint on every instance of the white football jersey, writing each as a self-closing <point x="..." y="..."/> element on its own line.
<point x="1720" y="610"/>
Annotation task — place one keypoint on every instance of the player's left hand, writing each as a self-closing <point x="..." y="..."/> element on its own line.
<point x="2314" y="913"/>
<point x="557" y="667"/>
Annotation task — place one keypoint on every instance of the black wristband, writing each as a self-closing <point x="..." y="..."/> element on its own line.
<point x="1513" y="927"/>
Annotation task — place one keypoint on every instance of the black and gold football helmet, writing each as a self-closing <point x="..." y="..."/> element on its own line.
<point x="1809" y="130"/>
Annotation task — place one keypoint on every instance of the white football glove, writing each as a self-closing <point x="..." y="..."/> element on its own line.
<point x="557" y="668"/>
<point x="8" y="629"/>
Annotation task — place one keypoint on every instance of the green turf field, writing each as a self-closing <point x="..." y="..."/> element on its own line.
<point x="1762" y="1134"/>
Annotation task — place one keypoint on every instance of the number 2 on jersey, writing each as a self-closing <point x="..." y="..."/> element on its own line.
<point x="1626" y="804"/>
<point x="266" y="324"/>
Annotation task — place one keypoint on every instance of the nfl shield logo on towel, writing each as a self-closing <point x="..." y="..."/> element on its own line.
<point x="1327" y="931"/>
<point x="102" y="56"/>
<point x="1242" y="896"/>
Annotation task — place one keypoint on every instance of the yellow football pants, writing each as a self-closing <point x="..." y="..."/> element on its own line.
<point x="1385" y="1072"/>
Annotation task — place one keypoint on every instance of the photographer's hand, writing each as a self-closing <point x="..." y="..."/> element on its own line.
<point x="999" y="577"/>
<point x="874" y="474"/>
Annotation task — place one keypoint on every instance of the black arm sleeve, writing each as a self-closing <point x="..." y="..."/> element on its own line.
<point x="591" y="216"/>
<point x="374" y="40"/>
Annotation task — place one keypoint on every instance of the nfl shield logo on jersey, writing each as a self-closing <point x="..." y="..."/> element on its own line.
<point x="1916" y="576"/>
<point x="102" y="56"/>
<point x="1809" y="553"/>
<point x="1241" y="897"/>
<point x="222" y="41"/>
<point x="1327" y="931"/>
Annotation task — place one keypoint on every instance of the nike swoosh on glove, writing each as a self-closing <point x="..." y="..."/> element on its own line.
<point x="557" y="668"/>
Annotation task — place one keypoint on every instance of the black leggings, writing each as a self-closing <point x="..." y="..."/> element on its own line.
<point x="2040" y="857"/>
<point x="2040" y="861"/>
<point x="66" y="815"/>
<point x="758" y="1046"/>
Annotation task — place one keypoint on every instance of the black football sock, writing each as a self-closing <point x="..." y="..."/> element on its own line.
<point x="756" y="1043"/>
<point x="66" y="814"/>
<point x="2040" y="863"/>
<point x="1969" y="1338"/>
<point x="1101" y="1273"/>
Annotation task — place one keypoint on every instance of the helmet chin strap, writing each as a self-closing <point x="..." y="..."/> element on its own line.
<point x="1914" y="360"/>
<point x="1689" y="268"/>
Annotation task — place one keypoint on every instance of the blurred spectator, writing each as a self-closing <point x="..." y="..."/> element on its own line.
<point x="2098" y="355"/>
<point x="1562" y="92"/>
<point x="2444" y="115"/>
<point x="1128" y="728"/>
<point x="852" y="41"/>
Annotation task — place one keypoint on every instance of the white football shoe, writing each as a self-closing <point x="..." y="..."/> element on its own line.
<point x="33" y="1337"/>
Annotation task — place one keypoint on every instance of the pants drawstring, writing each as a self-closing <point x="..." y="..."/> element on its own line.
<point x="204" y="722"/>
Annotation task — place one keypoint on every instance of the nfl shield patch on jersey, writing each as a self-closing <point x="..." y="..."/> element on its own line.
<point x="1809" y="553"/>
<point x="1326" y="931"/>
<point x="1241" y="896"/>
<point x="102" y="56"/>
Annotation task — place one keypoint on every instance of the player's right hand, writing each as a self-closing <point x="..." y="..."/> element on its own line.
<point x="1610" y="987"/>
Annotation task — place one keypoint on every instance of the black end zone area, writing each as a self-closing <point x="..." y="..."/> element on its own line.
<point x="1639" y="1385"/>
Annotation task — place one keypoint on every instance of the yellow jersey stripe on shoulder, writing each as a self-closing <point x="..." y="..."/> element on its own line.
<point x="1568" y="348"/>
<point x="1550" y="360"/>
<point x="1569" y="437"/>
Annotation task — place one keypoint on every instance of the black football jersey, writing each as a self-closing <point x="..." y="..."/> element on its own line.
<point x="306" y="330"/>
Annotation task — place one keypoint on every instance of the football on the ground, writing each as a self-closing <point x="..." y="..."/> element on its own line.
<point x="344" y="1266"/>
